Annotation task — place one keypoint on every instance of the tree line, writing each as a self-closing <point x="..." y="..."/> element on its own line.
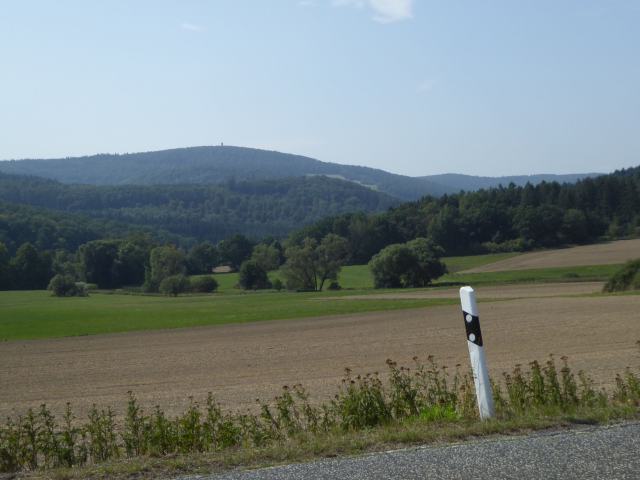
<point x="113" y="263"/>
<point x="139" y="262"/>
<point x="500" y="219"/>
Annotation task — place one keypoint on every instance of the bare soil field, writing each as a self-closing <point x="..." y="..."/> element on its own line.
<point x="242" y="362"/>
<point x="600" y="254"/>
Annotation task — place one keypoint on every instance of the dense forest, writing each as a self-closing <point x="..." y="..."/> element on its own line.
<point x="498" y="219"/>
<point x="115" y="242"/>
<point x="221" y="164"/>
<point x="256" y="209"/>
<point x="51" y="230"/>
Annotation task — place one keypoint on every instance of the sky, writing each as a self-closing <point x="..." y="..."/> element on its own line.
<point x="415" y="87"/>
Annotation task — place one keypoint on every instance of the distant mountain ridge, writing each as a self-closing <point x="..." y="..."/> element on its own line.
<point x="473" y="182"/>
<point x="220" y="164"/>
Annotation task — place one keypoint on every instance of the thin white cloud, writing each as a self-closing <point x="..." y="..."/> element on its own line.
<point x="306" y="3"/>
<point x="384" y="11"/>
<point x="191" y="27"/>
<point x="426" y="86"/>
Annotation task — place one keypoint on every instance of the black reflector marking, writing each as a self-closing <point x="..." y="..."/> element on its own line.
<point x="472" y="326"/>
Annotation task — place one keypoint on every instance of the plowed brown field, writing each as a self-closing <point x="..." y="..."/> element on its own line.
<point x="599" y="254"/>
<point x="245" y="361"/>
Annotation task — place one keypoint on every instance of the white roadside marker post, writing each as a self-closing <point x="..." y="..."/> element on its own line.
<point x="476" y="352"/>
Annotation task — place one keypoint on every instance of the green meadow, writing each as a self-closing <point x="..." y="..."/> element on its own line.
<point x="36" y="314"/>
<point x="457" y="264"/>
<point x="359" y="276"/>
<point x="589" y="273"/>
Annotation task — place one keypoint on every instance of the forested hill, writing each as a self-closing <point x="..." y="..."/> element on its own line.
<point x="211" y="165"/>
<point x="203" y="212"/>
<point x="216" y="165"/>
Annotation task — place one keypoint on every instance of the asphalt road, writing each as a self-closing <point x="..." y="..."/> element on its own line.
<point x="583" y="453"/>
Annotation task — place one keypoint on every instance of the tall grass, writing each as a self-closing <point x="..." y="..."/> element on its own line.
<point x="426" y="392"/>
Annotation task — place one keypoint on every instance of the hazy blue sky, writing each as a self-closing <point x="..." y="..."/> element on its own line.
<point x="414" y="87"/>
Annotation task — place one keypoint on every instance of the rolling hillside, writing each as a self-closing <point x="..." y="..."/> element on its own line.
<point x="221" y="164"/>
<point x="204" y="212"/>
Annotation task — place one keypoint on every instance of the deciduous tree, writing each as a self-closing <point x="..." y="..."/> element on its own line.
<point x="202" y="258"/>
<point x="412" y="264"/>
<point x="310" y="265"/>
<point x="166" y="261"/>
<point x="266" y="256"/>
<point x="235" y="250"/>
<point x="30" y="269"/>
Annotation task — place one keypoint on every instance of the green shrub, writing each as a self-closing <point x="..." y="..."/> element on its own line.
<point x="514" y="245"/>
<point x="412" y="264"/>
<point x="627" y="278"/>
<point x="277" y="284"/>
<point x="437" y="413"/>
<point x="252" y="276"/>
<point x="102" y="436"/>
<point x="206" y="284"/>
<point x="66" y="286"/>
<point x="362" y="402"/>
<point x="175" y="285"/>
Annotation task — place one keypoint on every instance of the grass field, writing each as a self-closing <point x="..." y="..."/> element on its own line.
<point x="28" y="315"/>
<point x="351" y="277"/>
<point x="36" y="314"/>
<point x="560" y="274"/>
<point x="456" y="264"/>
<point x="359" y="276"/>
<point x="356" y="277"/>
